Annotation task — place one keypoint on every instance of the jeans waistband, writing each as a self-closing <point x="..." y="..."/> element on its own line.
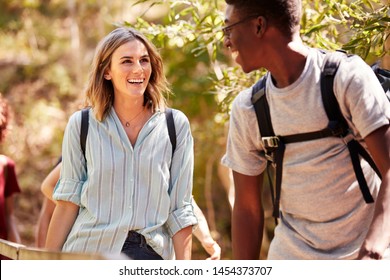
<point x="136" y="248"/>
<point x="135" y="237"/>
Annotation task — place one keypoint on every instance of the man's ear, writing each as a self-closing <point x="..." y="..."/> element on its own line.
<point x="261" y="24"/>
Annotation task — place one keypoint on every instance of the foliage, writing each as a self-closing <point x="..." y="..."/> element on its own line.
<point x="359" y="27"/>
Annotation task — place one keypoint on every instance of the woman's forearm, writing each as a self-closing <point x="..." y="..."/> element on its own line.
<point x="182" y="242"/>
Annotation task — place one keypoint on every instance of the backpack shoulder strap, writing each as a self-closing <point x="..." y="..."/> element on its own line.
<point x="260" y="104"/>
<point x="383" y="76"/>
<point x="172" y="137"/>
<point x="171" y="128"/>
<point x="85" y="125"/>
<point x="332" y="108"/>
<point x="84" y="129"/>
<point x="270" y="142"/>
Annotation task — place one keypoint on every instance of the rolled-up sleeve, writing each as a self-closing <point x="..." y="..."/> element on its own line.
<point x="73" y="169"/>
<point x="181" y="218"/>
<point x="182" y="213"/>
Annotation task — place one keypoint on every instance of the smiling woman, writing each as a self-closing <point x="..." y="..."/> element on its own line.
<point x="134" y="69"/>
<point x="129" y="71"/>
<point x="128" y="194"/>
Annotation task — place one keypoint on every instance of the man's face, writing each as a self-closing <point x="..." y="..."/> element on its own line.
<point x="239" y="32"/>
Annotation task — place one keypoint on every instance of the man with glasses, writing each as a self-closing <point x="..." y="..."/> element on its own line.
<point x="322" y="213"/>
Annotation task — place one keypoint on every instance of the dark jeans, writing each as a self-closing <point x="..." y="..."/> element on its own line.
<point x="136" y="248"/>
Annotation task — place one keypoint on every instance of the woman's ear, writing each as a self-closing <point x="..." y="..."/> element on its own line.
<point x="107" y="76"/>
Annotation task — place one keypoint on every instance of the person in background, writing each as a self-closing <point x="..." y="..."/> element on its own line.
<point x="8" y="184"/>
<point x="322" y="211"/>
<point x="43" y="222"/>
<point x="201" y="232"/>
<point x="128" y="195"/>
<point x="48" y="205"/>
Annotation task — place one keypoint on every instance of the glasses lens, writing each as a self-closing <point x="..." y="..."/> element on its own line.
<point x="226" y="31"/>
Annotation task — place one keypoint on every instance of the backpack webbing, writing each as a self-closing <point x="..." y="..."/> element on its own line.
<point x="274" y="146"/>
<point x="85" y="124"/>
<point x="84" y="129"/>
<point x="171" y="128"/>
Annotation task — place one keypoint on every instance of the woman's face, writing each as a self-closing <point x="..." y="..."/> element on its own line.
<point x="130" y="70"/>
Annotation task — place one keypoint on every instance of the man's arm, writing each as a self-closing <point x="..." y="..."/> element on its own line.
<point x="378" y="238"/>
<point x="248" y="217"/>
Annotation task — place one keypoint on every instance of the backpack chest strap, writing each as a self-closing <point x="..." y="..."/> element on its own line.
<point x="332" y="130"/>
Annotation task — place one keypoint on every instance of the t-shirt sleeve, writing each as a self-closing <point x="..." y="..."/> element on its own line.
<point x="243" y="149"/>
<point x="361" y="97"/>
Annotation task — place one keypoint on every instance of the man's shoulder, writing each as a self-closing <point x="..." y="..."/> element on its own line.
<point x="244" y="98"/>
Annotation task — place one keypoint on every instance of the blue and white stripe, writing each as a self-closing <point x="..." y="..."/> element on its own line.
<point x="125" y="188"/>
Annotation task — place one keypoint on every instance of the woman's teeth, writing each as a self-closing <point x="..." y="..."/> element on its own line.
<point x="136" y="81"/>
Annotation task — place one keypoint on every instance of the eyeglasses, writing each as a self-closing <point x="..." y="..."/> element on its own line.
<point x="228" y="29"/>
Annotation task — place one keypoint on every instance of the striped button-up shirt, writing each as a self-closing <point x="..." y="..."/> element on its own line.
<point x="122" y="187"/>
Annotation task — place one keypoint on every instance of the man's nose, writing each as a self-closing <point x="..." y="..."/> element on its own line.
<point x="226" y="42"/>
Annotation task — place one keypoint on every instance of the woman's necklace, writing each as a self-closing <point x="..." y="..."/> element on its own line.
<point x="127" y="123"/>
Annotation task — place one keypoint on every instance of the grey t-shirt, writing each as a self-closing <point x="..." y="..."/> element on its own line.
<point x="323" y="212"/>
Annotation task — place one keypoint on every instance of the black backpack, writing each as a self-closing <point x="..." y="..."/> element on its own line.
<point x="85" y="125"/>
<point x="274" y="146"/>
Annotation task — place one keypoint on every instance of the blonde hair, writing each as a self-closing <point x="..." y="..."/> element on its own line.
<point x="100" y="92"/>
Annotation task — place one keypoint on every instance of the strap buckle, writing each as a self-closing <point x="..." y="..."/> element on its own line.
<point x="349" y="137"/>
<point x="270" y="142"/>
<point x="337" y="130"/>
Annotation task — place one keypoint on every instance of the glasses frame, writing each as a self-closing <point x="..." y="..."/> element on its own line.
<point x="228" y="29"/>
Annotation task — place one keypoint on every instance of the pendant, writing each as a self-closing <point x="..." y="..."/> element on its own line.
<point x="127" y="124"/>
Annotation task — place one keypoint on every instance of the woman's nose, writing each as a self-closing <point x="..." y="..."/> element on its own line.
<point x="137" y="67"/>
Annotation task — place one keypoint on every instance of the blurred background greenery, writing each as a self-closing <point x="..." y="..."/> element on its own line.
<point x="46" y="48"/>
